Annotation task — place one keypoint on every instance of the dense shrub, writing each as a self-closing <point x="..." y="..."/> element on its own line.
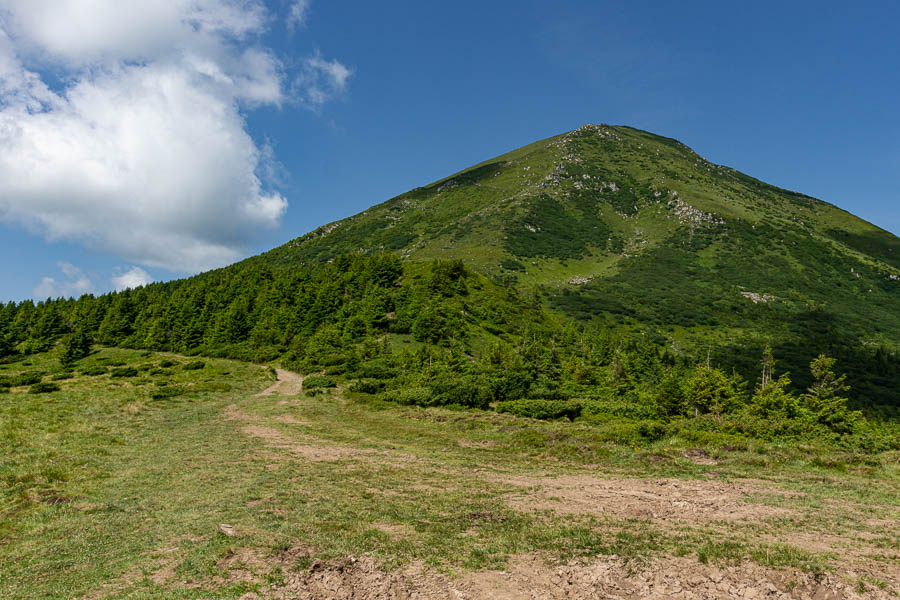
<point x="535" y="408"/>
<point x="367" y="386"/>
<point x="43" y="388"/>
<point x="376" y="369"/>
<point x="336" y="369"/>
<point x="631" y="407"/>
<point x="62" y="376"/>
<point x="124" y="372"/>
<point x="167" y="392"/>
<point x="509" y="386"/>
<point x="166" y="363"/>
<point x="94" y="371"/>
<point x="415" y="396"/>
<point x="27" y="379"/>
<point x="319" y="381"/>
<point x="460" y="392"/>
<point x="194" y="365"/>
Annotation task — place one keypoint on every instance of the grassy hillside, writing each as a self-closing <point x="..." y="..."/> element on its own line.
<point x="115" y="485"/>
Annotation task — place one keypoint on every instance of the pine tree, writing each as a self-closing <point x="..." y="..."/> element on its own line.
<point x="75" y="347"/>
<point x="6" y="345"/>
<point x="824" y="400"/>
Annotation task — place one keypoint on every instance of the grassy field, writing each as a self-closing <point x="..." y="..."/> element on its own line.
<point x="116" y="485"/>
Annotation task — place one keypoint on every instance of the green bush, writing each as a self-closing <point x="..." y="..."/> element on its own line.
<point x="509" y="386"/>
<point x="167" y="392"/>
<point x="43" y="388"/>
<point x="27" y="379"/>
<point x="409" y="396"/>
<point x="166" y="363"/>
<point x="319" y="381"/>
<point x="376" y="370"/>
<point x="194" y="365"/>
<point x="652" y="431"/>
<point x="336" y="370"/>
<point x="367" y="386"/>
<point x="468" y="392"/>
<point x="124" y="372"/>
<point x="535" y="408"/>
<point x="94" y="371"/>
<point x="629" y="407"/>
<point x="62" y="376"/>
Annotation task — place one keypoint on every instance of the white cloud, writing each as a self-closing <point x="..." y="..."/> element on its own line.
<point x="298" y="13"/>
<point x="76" y="284"/>
<point x="133" y="278"/>
<point x="77" y="32"/>
<point x="144" y="151"/>
<point x="320" y="81"/>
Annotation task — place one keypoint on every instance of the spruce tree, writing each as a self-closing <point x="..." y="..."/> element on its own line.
<point x="75" y="347"/>
<point x="824" y="397"/>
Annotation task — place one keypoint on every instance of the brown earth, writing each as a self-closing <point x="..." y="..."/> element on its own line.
<point x="286" y="383"/>
<point x="531" y="577"/>
<point x="661" y="499"/>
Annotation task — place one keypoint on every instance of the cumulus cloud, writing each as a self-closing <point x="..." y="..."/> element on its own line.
<point x="133" y="278"/>
<point x="75" y="284"/>
<point x="144" y="150"/>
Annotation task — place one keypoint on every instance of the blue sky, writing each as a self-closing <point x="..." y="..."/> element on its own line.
<point x="196" y="136"/>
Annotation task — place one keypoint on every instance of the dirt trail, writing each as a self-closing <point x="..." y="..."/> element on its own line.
<point x="286" y="383"/>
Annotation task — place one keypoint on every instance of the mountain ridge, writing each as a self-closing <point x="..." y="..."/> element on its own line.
<point x="695" y="207"/>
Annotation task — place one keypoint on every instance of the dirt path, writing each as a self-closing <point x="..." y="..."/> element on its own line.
<point x="286" y="383"/>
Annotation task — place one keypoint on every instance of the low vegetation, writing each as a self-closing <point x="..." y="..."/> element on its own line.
<point x="117" y="487"/>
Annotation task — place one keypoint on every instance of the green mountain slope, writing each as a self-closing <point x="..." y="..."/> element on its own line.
<point x="638" y="230"/>
<point x="600" y="259"/>
<point x="592" y="198"/>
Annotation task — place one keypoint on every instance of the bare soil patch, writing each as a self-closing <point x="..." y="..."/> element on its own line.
<point x="662" y="499"/>
<point x="531" y="577"/>
<point x="286" y="383"/>
<point x="290" y="420"/>
<point x="307" y="451"/>
<point x="393" y="530"/>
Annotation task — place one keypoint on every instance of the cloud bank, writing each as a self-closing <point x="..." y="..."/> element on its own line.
<point x="121" y="127"/>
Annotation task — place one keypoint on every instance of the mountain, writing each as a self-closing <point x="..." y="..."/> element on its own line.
<point x="638" y="230"/>
<point x="606" y="254"/>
